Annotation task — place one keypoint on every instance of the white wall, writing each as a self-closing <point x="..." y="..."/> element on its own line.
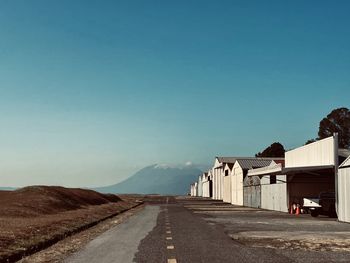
<point x="227" y="194"/>
<point x="218" y="182"/>
<point x="237" y="185"/>
<point x="192" y="190"/>
<point x="206" y="189"/>
<point x="314" y="154"/>
<point x="344" y="192"/>
<point x="227" y="185"/>
<point x="200" y="186"/>
<point x="195" y="189"/>
<point x="215" y="185"/>
<point x="274" y="196"/>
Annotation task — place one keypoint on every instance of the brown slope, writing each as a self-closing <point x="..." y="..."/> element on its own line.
<point x="43" y="200"/>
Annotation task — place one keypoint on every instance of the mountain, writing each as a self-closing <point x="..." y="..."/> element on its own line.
<point x="157" y="179"/>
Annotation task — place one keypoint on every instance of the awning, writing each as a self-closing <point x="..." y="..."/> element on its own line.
<point x="306" y="169"/>
<point x="279" y="170"/>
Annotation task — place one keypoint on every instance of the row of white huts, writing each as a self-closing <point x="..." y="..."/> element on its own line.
<point x="278" y="183"/>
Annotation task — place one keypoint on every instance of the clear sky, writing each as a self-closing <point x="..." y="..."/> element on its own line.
<point x="92" y="91"/>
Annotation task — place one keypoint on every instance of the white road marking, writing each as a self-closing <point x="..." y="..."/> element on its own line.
<point x="169" y="238"/>
<point x="172" y="260"/>
<point x="168" y="232"/>
<point x="170" y="247"/>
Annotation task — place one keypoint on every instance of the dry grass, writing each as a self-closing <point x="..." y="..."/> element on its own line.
<point x="35" y="217"/>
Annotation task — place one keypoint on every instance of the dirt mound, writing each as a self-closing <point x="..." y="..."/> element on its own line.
<point x="39" y="200"/>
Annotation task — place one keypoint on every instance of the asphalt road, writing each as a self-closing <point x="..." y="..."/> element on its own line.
<point x="167" y="231"/>
<point x="119" y="244"/>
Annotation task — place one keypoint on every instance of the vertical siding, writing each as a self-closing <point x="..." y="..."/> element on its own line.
<point x="205" y="189"/>
<point x="314" y="154"/>
<point x="221" y="184"/>
<point x="252" y="192"/>
<point x="200" y="186"/>
<point x="237" y="185"/>
<point x="344" y="194"/>
<point x="274" y="196"/>
<point x="227" y="189"/>
<point x="215" y="185"/>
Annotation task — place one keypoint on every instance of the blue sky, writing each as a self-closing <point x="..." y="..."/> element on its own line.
<point x="92" y="91"/>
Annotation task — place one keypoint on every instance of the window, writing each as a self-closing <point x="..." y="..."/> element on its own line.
<point x="273" y="179"/>
<point x="226" y="173"/>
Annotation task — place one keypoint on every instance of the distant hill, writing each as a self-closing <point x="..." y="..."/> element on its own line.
<point x="7" y="188"/>
<point x="157" y="179"/>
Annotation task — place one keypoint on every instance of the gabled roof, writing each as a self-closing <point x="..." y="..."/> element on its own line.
<point x="250" y="162"/>
<point x="227" y="159"/>
<point x="230" y="165"/>
<point x="346" y="163"/>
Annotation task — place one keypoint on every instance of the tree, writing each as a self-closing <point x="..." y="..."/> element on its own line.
<point x="337" y="121"/>
<point x="274" y="150"/>
<point x="310" y="141"/>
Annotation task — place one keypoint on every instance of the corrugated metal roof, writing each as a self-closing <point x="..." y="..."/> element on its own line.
<point x="227" y="159"/>
<point x="247" y="164"/>
<point x="250" y="162"/>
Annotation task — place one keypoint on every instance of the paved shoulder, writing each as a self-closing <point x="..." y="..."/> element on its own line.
<point x="120" y="243"/>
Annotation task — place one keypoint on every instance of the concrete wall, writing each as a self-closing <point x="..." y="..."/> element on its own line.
<point x="314" y="154"/>
<point x="274" y="196"/>
<point x="237" y="185"/>
<point x="344" y="192"/>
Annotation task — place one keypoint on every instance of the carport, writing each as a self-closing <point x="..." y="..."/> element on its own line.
<point x="308" y="182"/>
<point x="308" y="170"/>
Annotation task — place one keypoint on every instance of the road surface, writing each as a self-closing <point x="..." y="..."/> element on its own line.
<point x="166" y="231"/>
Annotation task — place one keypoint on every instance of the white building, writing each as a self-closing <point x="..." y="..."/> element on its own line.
<point x="200" y="186"/>
<point x="206" y="185"/>
<point x="344" y="191"/>
<point x="227" y="185"/>
<point x="194" y="189"/>
<point x="218" y="176"/>
<point x="239" y="172"/>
